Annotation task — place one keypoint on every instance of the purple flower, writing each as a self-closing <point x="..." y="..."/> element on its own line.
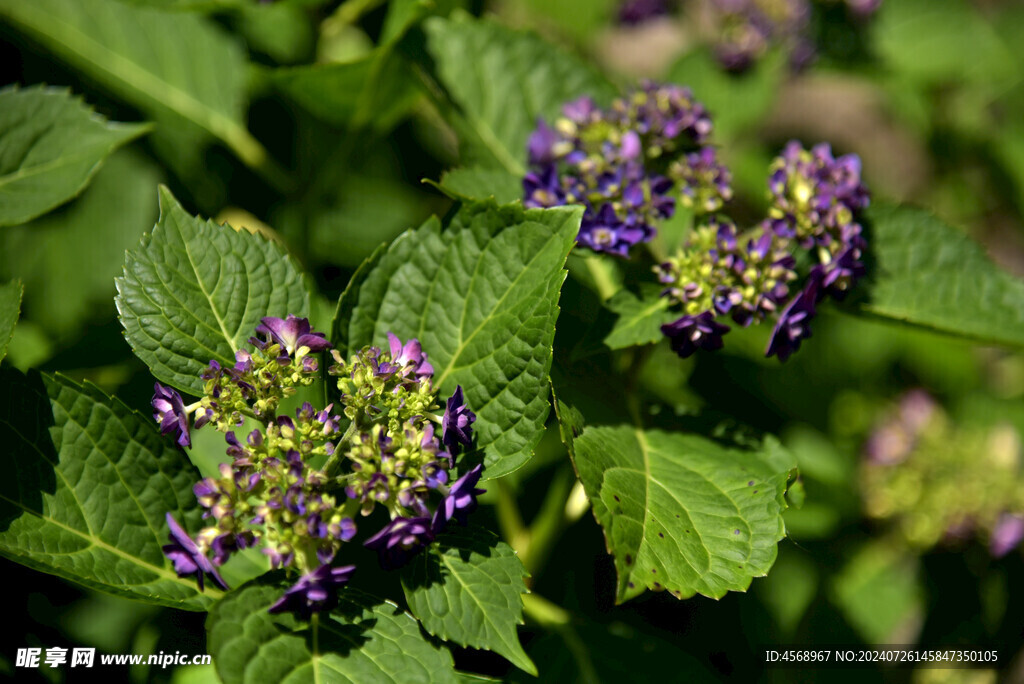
<point x="461" y="500"/>
<point x="399" y="540"/>
<point x="542" y="188"/>
<point x="690" y="333"/>
<point x="863" y="8"/>
<point x="705" y="184"/>
<point x="793" y="324"/>
<point x="292" y="333"/>
<point x="169" y="411"/>
<point x="457" y="424"/>
<point x="1008" y="533"/>
<point x="632" y="12"/>
<point x="581" y="110"/>
<point x="410" y="358"/>
<point x="186" y="557"/>
<point x="314" y="592"/>
<point x="542" y="144"/>
<point x="606" y="232"/>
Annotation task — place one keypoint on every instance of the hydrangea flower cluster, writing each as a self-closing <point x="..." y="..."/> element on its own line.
<point x="940" y="483"/>
<point x="746" y="29"/>
<point x="720" y="274"/>
<point x="627" y="164"/>
<point x="294" y="484"/>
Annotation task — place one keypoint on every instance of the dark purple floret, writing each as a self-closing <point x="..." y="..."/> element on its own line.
<point x="169" y="411"/>
<point x="690" y="333"/>
<point x="793" y="325"/>
<point x="292" y="333"/>
<point x="314" y="592"/>
<point x="399" y="540"/>
<point x="457" y="424"/>
<point x="461" y="500"/>
<point x="1008" y="533"/>
<point x="632" y="12"/>
<point x="186" y="557"/>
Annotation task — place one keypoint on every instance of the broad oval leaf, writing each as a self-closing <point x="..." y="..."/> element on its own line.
<point x="929" y="274"/>
<point x="468" y="588"/>
<point x="482" y="298"/>
<point x="194" y="291"/>
<point x="10" y="309"/>
<point x="53" y="143"/>
<point x="88" y="482"/>
<point x="500" y="81"/>
<point x="157" y="61"/>
<point x="680" y="512"/>
<point x="362" y="640"/>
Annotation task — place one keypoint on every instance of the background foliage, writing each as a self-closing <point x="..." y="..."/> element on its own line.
<point x="308" y="126"/>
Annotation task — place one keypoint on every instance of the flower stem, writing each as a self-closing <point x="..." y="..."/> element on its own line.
<point x="547" y="527"/>
<point x="604" y="279"/>
<point x="544" y="612"/>
<point x="510" y="521"/>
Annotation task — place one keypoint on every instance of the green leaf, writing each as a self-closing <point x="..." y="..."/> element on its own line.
<point x="158" y="61"/>
<point x="10" y="307"/>
<point x="880" y="593"/>
<point x="376" y="90"/>
<point x="736" y="102"/>
<point x="926" y="40"/>
<point x="482" y="183"/>
<point x="640" y="318"/>
<point x="48" y="254"/>
<point x="680" y="512"/>
<point x="468" y="588"/>
<point x="362" y="640"/>
<point x="482" y="298"/>
<point x="53" y="145"/>
<point x="193" y="291"/>
<point x="932" y="275"/>
<point x="500" y="81"/>
<point x="595" y="653"/>
<point x="88" y="484"/>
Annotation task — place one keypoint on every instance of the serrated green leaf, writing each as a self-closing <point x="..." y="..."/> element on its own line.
<point x="157" y="61"/>
<point x="640" y="318"/>
<point x="468" y="588"/>
<point x="49" y="253"/>
<point x="482" y="298"/>
<point x="88" y="484"/>
<point x="53" y="144"/>
<point x="194" y="291"/>
<point x="683" y="513"/>
<point x="500" y="81"/>
<point x="10" y="307"/>
<point x="929" y="274"/>
<point x="362" y="640"/>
